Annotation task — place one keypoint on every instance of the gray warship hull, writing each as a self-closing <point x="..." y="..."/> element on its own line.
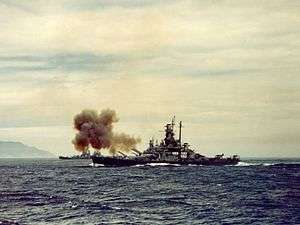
<point x="123" y="161"/>
<point x="73" y="157"/>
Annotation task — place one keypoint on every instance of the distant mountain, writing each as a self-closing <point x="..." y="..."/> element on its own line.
<point x="9" y="149"/>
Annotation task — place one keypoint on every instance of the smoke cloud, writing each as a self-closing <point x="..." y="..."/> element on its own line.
<point x="96" y="130"/>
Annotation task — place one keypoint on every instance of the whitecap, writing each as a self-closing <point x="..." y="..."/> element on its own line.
<point x="138" y="165"/>
<point x="269" y="164"/>
<point x="247" y="164"/>
<point x="96" y="165"/>
<point x="162" y="164"/>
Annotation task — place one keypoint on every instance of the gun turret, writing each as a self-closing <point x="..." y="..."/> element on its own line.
<point x="219" y="156"/>
<point x="136" y="151"/>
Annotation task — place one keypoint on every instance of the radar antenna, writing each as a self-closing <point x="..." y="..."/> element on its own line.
<point x="173" y="122"/>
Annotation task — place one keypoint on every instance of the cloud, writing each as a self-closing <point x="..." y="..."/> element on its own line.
<point x="185" y="37"/>
<point x="181" y="24"/>
<point x="66" y="62"/>
<point x="229" y="69"/>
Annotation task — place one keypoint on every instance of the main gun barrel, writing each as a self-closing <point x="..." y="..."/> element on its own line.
<point x="122" y="154"/>
<point x="136" y="151"/>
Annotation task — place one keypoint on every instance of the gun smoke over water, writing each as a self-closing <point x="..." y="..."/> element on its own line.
<point x="96" y="130"/>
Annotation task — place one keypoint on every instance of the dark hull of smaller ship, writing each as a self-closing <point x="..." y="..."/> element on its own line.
<point x="119" y="161"/>
<point x="72" y="157"/>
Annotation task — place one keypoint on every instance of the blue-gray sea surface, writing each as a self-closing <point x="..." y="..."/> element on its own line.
<point x="36" y="191"/>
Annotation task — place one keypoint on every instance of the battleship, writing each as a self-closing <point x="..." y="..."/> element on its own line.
<point x="169" y="151"/>
<point x="85" y="155"/>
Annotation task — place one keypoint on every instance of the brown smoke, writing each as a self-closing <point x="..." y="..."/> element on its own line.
<point x="124" y="142"/>
<point x="96" y="130"/>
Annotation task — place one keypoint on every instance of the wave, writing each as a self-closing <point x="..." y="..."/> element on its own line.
<point x="91" y="205"/>
<point x="255" y="164"/>
<point x="193" y="165"/>
<point x="268" y="164"/>
<point x="248" y="164"/>
<point x="9" y="222"/>
<point x="96" y="165"/>
<point x="162" y="164"/>
<point x="138" y="165"/>
<point x="156" y="164"/>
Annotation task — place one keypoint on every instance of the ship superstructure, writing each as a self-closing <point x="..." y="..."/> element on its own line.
<point x="171" y="149"/>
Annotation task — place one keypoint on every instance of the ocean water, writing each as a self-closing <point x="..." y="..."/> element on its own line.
<point x="73" y="192"/>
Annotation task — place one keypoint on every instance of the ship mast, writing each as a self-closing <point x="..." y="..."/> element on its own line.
<point x="173" y="122"/>
<point x="180" y="126"/>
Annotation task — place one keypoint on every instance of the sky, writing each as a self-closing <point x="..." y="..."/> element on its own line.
<point x="228" y="69"/>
